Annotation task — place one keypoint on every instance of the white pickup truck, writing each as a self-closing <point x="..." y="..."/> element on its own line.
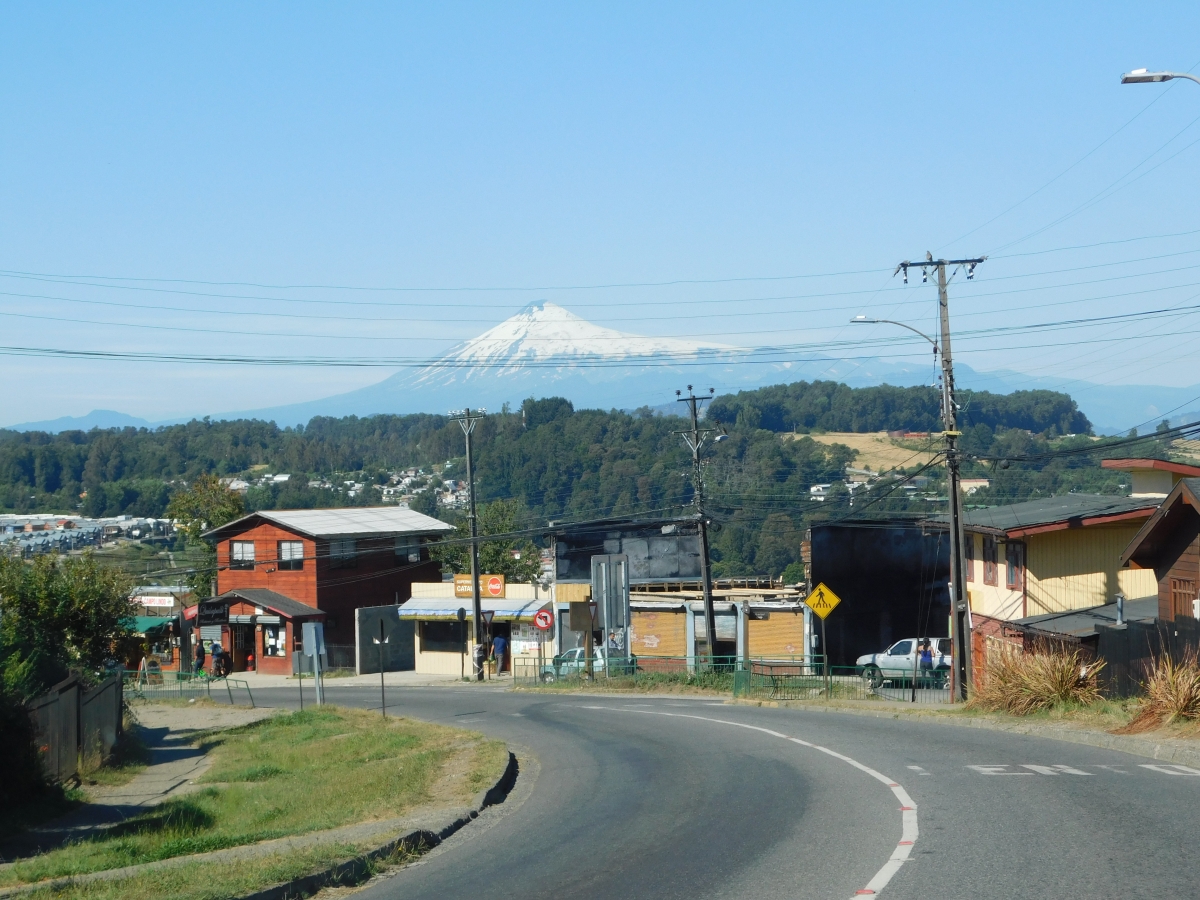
<point x="898" y="662"/>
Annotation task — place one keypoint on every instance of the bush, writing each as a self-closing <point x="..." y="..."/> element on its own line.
<point x="1049" y="676"/>
<point x="1172" y="689"/>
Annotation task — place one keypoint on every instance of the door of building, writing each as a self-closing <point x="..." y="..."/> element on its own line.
<point x="243" y="644"/>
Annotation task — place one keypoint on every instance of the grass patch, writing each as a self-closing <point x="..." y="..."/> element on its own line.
<point x="1172" y="692"/>
<point x="290" y="774"/>
<point x="215" y="881"/>
<point x="129" y="757"/>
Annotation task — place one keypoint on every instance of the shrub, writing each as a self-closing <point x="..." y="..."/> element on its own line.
<point x="1172" y="689"/>
<point x="1049" y="676"/>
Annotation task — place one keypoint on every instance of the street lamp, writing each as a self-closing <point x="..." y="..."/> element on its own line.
<point x="1141" y="76"/>
<point x="863" y="320"/>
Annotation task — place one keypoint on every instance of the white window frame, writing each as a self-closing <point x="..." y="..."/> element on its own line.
<point x="237" y="555"/>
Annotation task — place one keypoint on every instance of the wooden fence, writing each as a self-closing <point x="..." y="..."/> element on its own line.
<point x="73" y="723"/>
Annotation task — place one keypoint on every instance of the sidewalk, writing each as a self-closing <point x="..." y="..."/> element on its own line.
<point x="257" y="680"/>
<point x="174" y="764"/>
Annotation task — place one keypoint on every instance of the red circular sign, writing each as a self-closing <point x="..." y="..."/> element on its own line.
<point x="495" y="586"/>
<point x="543" y="619"/>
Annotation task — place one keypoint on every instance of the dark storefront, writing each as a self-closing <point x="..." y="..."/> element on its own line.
<point x="893" y="579"/>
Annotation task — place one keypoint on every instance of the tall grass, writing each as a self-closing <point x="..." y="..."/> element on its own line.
<point x="1051" y="675"/>
<point x="1172" y="689"/>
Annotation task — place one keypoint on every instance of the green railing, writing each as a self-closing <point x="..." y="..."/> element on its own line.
<point x="631" y="672"/>
<point x="779" y="680"/>
<point x="184" y="686"/>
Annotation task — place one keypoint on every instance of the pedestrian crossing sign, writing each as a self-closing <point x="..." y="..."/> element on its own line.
<point x="822" y="600"/>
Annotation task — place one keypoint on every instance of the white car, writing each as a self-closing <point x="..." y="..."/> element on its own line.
<point x="898" y="663"/>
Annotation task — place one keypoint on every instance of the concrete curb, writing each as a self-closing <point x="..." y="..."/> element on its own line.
<point x="425" y="833"/>
<point x="1166" y="750"/>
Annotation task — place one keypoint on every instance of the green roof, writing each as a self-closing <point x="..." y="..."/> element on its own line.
<point x="146" y="624"/>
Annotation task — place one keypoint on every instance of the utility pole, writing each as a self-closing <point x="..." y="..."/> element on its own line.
<point x="695" y="438"/>
<point x="466" y="420"/>
<point x="959" y="611"/>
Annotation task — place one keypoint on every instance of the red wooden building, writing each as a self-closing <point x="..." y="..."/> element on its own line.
<point x="279" y="568"/>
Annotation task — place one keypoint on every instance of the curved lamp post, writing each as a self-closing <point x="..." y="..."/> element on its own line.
<point x="1141" y="76"/>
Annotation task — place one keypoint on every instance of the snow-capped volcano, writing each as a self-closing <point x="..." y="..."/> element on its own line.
<point x="546" y="351"/>
<point x="544" y="334"/>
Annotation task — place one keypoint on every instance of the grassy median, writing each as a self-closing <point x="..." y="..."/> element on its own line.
<point x="287" y="775"/>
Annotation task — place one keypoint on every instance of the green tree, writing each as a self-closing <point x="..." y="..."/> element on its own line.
<point x="205" y="504"/>
<point x="517" y="559"/>
<point x="58" y="614"/>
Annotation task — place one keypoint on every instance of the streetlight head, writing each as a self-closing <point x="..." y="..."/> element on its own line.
<point x="862" y="320"/>
<point x="1141" y="76"/>
<point x="720" y="437"/>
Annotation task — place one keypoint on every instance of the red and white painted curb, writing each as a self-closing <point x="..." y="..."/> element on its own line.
<point x="908" y="809"/>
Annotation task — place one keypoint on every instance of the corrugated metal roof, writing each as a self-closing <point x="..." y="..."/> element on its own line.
<point x="1083" y="622"/>
<point x="1049" y="510"/>
<point x="273" y="601"/>
<point x="350" y="521"/>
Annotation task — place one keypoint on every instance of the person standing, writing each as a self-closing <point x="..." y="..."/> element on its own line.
<point x="499" y="648"/>
<point x="199" y="667"/>
<point x="926" y="664"/>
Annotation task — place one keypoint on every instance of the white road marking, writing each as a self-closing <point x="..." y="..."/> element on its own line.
<point x="918" y="770"/>
<point x="996" y="770"/>
<point x="1054" y="770"/>
<point x="1171" y="769"/>
<point x="908" y="809"/>
<point x="1113" y="769"/>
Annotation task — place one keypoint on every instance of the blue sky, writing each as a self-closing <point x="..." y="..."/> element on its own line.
<point x="493" y="146"/>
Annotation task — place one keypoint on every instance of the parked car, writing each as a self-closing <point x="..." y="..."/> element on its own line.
<point x="898" y="663"/>
<point x="573" y="663"/>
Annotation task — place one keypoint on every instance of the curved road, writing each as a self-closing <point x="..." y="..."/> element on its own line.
<point x="686" y="797"/>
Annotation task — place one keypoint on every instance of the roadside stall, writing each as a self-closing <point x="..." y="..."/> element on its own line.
<point x="444" y="642"/>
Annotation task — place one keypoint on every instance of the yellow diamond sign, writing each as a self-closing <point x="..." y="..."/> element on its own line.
<point x="822" y="600"/>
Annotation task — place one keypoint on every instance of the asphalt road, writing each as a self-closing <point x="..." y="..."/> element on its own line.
<point x="635" y="797"/>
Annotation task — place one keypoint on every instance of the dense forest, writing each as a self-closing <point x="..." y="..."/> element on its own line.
<point x="557" y="462"/>
<point x="829" y="406"/>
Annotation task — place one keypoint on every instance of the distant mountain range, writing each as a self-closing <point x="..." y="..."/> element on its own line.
<point x="545" y="350"/>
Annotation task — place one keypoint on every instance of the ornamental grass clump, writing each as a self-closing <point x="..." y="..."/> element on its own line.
<point x="1172" y="689"/>
<point x="1049" y="676"/>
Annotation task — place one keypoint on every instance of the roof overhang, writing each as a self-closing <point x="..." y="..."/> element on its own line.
<point x="1159" y="465"/>
<point x="502" y="609"/>
<point x="1081" y="522"/>
<point x="1180" y="496"/>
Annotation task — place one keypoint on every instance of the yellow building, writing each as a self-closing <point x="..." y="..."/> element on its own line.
<point x="1053" y="554"/>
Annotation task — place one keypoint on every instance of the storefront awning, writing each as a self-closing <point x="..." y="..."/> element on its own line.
<point x="448" y="607"/>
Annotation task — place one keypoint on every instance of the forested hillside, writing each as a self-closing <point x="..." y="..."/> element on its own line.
<point x="830" y="406"/>
<point x="558" y="462"/>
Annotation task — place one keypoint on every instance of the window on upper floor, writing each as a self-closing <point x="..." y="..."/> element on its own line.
<point x="342" y="554"/>
<point x="291" y="555"/>
<point x="990" y="560"/>
<point x="969" y="556"/>
<point x="1014" y="559"/>
<point x="241" y="554"/>
<point x="408" y="549"/>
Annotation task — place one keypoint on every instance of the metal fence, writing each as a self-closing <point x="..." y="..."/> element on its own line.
<point x="341" y="657"/>
<point x="779" y="680"/>
<point x="627" y="671"/>
<point x="70" y="721"/>
<point x="186" y="686"/>
<point x="1131" y="649"/>
<point x="784" y="678"/>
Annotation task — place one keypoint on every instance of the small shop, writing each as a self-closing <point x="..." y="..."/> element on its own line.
<point x="260" y="629"/>
<point x="444" y="642"/>
<point x="154" y="643"/>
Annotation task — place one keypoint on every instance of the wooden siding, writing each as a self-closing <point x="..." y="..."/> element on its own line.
<point x="1179" y="566"/>
<point x="299" y="585"/>
<point x="779" y="635"/>
<point x="1078" y="568"/>
<point x="655" y="633"/>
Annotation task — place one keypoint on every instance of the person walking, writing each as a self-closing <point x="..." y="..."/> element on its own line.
<point x="499" y="648"/>
<point x="199" y="667"/>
